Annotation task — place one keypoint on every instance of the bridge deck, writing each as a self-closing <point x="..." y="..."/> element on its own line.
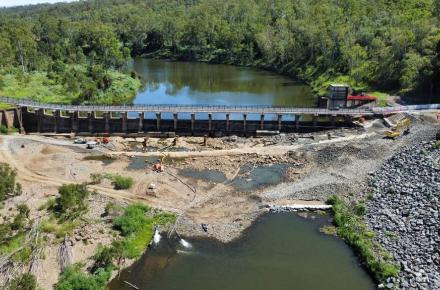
<point x="244" y="109"/>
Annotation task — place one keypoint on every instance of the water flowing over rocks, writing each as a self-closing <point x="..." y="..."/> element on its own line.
<point x="404" y="212"/>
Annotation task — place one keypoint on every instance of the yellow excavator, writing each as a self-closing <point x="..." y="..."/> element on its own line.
<point x="402" y="127"/>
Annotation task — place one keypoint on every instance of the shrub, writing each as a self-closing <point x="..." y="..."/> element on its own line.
<point x="103" y="258"/>
<point x="73" y="278"/>
<point x="3" y="129"/>
<point x="121" y="182"/>
<point x="23" y="210"/>
<point x="8" y="186"/>
<point x="49" y="204"/>
<point x="25" y="281"/>
<point x="112" y="209"/>
<point x="96" y="178"/>
<point x="72" y="201"/>
<point x="436" y="145"/>
<point x="360" y="209"/>
<point x="132" y="220"/>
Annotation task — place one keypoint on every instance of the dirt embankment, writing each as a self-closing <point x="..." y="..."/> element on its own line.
<point x="226" y="184"/>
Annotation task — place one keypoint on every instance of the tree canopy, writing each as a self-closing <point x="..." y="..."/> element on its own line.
<point x="386" y="45"/>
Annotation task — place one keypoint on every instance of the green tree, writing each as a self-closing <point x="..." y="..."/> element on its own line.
<point x="8" y="186"/>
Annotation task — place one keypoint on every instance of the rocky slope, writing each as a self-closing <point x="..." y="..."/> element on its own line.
<point x="404" y="212"/>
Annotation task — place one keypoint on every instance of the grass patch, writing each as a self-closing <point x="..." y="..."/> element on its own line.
<point x="119" y="182"/>
<point x="59" y="229"/>
<point x="122" y="182"/>
<point x="355" y="232"/>
<point x="12" y="244"/>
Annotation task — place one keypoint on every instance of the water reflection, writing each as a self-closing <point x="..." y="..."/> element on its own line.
<point x="168" y="82"/>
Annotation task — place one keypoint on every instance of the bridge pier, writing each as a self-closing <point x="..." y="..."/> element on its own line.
<point x="141" y="123"/>
<point x="5" y="117"/>
<point x="227" y="122"/>
<point x="40" y="116"/>
<point x="332" y="120"/>
<point x="280" y="118"/>
<point x="92" y="117"/>
<point x="315" y="120"/>
<point x="297" y="122"/>
<point x="19" y="115"/>
<point x="209" y="122"/>
<point x="107" y="116"/>
<point x="74" y="116"/>
<point x="56" y="120"/>
<point x="175" y="117"/>
<point x="158" y="116"/>
<point x="262" y="122"/>
<point x="193" y="120"/>
<point x="124" y="122"/>
<point x="244" y="123"/>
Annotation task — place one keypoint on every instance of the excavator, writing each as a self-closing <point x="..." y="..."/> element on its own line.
<point x="402" y="127"/>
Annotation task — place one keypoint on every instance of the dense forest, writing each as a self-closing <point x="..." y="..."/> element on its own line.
<point x="78" y="52"/>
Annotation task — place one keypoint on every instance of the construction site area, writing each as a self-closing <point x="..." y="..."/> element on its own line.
<point x="217" y="187"/>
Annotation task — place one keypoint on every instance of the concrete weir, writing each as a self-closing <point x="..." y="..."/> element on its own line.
<point x="159" y="120"/>
<point x="169" y="120"/>
<point x="122" y="123"/>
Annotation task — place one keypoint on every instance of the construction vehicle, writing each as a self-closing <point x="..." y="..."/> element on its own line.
<point x="104" y="140"/>
<point x="80" y="141"/>
<point x="159" y="165"/>
<point x="402" y="127"/>
<point x="91" y="144"/>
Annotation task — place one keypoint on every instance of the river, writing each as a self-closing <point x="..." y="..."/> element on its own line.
<point x="281" y="251"/>
<point x="168" y="82"/>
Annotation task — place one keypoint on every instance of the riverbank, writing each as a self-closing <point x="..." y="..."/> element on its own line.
<point x="226" y="184"/>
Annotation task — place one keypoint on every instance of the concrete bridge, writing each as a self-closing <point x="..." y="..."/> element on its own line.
<point x="35" y="117"/>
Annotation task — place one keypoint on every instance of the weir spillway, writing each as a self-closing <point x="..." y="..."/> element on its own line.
<point x="215" y="120"/>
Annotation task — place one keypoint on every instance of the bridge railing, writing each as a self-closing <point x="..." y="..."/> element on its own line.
<point x="175" y="108"/>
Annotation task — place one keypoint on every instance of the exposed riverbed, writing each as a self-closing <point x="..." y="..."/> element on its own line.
<point x="281" y="251"/>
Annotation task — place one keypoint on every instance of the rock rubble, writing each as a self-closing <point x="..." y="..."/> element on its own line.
<point x="404" y="212"/>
